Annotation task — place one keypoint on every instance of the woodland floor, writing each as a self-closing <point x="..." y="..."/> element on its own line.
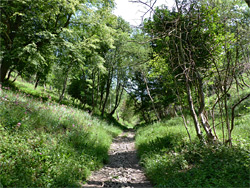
<point x="123" y="169"/>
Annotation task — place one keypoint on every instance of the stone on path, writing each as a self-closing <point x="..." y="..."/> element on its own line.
<point x="123" y="170"/>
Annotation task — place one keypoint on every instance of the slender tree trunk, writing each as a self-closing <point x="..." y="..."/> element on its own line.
<point x="182" y="115"/>
<point x="117" y="98"/>
<point x="233" y="109"/>
<point x="37" y="81"/>
<point x="108" y="85"/>
<point x="152" y="100"/>
<point x="117" y="101"/>
<point x="185" y="124"/>
<point x="93" y="91"/>
<point x="192" y="110"/>
<point x="98" y="87"/>
<point x="64" y="86"/>
<point x="202" y="112"/>
<point x="101" y="94"/>
<point x="15" y="78"/>
<point x="212" y="115"/>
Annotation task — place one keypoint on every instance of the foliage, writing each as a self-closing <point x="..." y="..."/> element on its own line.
<point x="198" y="53"/>
<point x="191" y="61"/>
<point x="46" y="144"/>
<point x="171" y="160"/>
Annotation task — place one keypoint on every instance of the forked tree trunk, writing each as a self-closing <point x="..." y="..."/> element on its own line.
<point x="117" y="100"/>
<point x="202" y="112"/>
<point x="192" y="110"/>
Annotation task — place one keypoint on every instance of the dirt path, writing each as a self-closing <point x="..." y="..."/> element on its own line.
<point x="123" y="169"/>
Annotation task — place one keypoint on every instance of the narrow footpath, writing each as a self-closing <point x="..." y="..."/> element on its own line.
<point x="123" y="169"/>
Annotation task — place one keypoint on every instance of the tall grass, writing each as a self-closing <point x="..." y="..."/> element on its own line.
<point x="171" y="160"/>
<point x="45" y="144"/>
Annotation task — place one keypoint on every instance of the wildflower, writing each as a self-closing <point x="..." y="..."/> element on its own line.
<point x="73" y="125"/>
<point x="18" y="124"/>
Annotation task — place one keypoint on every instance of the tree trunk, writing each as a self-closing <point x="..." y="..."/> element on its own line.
<point x="15" y="78"/>
<point x="102" y="87"/>
<point x="64" y="86"/>
<point x="233" y="108"/>
<point x="117" y="101"/>
<point x="192" y="110"/>
<point x="9" y="74"/>
<point x="93" y="91"/>
<point x="181" y="107"/>
<point x="37" y="81"/>
<point x="202" y="112"/>
<point x="4" y="69"/>
<point x="109" y="80"/>
<point x="98" y="87"/>
<point x="152" y="100"/>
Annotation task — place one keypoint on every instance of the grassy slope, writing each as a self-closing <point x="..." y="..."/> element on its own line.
<point x="171" y="160"/>
<point x="46" y="144"/>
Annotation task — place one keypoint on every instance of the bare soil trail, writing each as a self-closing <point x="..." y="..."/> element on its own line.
<point x="123" y="169"/>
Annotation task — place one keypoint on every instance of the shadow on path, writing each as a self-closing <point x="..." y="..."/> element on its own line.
<point x="123" y="169"/>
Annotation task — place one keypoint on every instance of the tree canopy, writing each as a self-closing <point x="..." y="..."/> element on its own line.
<point x="181" y="62"/>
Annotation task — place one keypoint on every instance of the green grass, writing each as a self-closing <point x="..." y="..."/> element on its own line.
<point x="43" y="144"/>
<point x="39" y="92"/>
<point x="171" y="160"/>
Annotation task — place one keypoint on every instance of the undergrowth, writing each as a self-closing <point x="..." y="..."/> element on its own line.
<point x="171" y="160"/>
<point x="43" y="144"/>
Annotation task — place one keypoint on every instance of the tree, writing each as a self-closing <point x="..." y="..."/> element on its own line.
<point x="27" y="27"/>
<point x="191" y="41"/>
